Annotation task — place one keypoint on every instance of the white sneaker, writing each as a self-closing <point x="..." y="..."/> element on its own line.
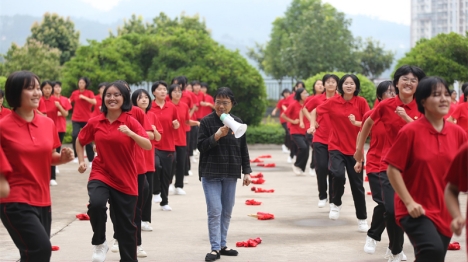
<point x="190" y="173"/>
<point x="285" y="149"/>
<point x="370" y="245"/>
<point x="90" y="165"/>
<point x="180" y="191"/>
<point x="53" y="182"/>
<point x="145" y="226"/>
<point x="334" y="212"/>
<point x="75" y="160"/>
<point x="388" y="254"/>
<point x="115" y="246"/>
<point x="396" y="258"/>
<point x="171" y="189"/>
<point x="166" y="208"/>
<point x="362" y="225"/>
<point x="141" y="252"/>
<point x="403" y="256"/>
<point x="99" y="253"/>
<point x="196" y="152"/>
<point x="289" y="159"/>
<point x="57" y="170"/>
<point x="322" y="203"/>
<point x="311" y="172"/>
<point x="157" y="198"/>
<point x="296" y="170"/>
<point x="193" y="159"/>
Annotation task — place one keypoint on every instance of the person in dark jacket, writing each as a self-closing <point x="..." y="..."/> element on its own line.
<point x="222" y="160"/>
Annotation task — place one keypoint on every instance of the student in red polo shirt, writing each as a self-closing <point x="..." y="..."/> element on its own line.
<point x="82" y="100"/>
<point x="180" y="141"/>
<point x="320" y="139"/>
<point x="61" y="123"/>
<point x="385" y="90"/>
<point x="281" y="107"/>
<point x="394" y="113"/>
<point x="199" y="97"/>
<point x="165" y="149"/>
<point x="207" y="105"/>
<point x="112" y="179"/>
<point x="53" y="107"/>
<point x="417" y="162"/>
<point x="342" y="143"/>
<point x="460" y="114"/>
<point x="457" y="181"/>
<point x="298" y="133"/>
<point x="3" y="110"/>
<point x="289" y="101"/>
<point x="29" y="141"/>
<point x="5" y="169"/>
<point x="142" y="99"/>
<point x="98" y="97"/>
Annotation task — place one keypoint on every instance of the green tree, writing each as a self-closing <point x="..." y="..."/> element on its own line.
<point x="57" y="32"/>
<point x="374" y="59"/>
<point x="133" y="25"/>
<point x="34" y="56"/>
<point x="367" y="87"/>
<point x="445" y="55"/>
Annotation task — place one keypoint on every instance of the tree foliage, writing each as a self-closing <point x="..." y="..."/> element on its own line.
<point x="34" y="56"/>
<point x="445" y="55"/>
<point x="374" y="59"/>
<point x="367" y="87"/>
<point x="57" y="32"/>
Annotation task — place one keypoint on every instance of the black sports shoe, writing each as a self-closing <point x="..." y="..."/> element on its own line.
<point x="225" y="252"/>
<point x="212" y="257"/>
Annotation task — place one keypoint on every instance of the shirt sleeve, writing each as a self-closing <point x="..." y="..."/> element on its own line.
<point x="86" y="134"/>
<point x="458" y="172"/>
<point x="400" y="153"/>
<point x="5" y="167"/>
<point x="56" y="138"/>
<point x="280" y="104"/>
<point x="136" y="127"/>
<point x="90" y="94"/>
<point x="376" y="112"/>
<point x="325" y="107"/>
<point x="66" y="104"/>
<point x="206" y="140"/>
<point x="42" y="107"/>
<point x="311" y="104"/>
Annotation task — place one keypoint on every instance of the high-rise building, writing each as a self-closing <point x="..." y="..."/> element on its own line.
<point x="432" y="17"/>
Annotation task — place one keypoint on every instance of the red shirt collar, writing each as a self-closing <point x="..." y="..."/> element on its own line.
<point x="410" y="105"/>
<point x="121" y="118"/>
<point x="21" y="122"/>
<point x="341" y="100"/>
<point x="431" y="129"/>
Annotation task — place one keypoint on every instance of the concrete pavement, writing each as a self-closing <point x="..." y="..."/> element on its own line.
<point x="300" y="231"/>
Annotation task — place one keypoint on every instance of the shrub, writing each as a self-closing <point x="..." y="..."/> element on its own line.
<point x="67" y="139"/>
<point x="265" y="134"/>
<point x="367" y="87"/>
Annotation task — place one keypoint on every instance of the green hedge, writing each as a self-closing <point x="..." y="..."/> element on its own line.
<point x="271" y="133"/>
<point x="68" y="135"/>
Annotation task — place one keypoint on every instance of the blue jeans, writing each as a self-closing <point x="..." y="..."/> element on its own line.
<point x="220" y="196"/>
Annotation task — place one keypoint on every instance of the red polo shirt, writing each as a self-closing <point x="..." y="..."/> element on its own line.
<point x="279" y="106"/>
<point x="28" y="147"/>
<point x="199" y="97"/>
<point x="115" y="163"/>
<point x="166" y="115"/>
<point x="140" y="116"/>
<point x="458" y="174"/>
<point x="461" y="115"/>
<point x="385" y="112"/>
<point x="5" y="167"/>
<point x="5" y="111"/>
<point x="81" y="108"/>
<point x="461" y="99"/>
<point x="149" y="154"/>
<point x="323" y="132"/>
<point x="423" y="156"/>
<point x="374" y="154"/>
<point x="41" y="107"/>
<point x="61" y="123"/>
<point x="97" y="106"/>
<point x="51" y="109"/>
<point x="206" y="110"/>
<point x="343" y="133"/>
<point x="293" y="113"/>
<point x="183" y="115"/>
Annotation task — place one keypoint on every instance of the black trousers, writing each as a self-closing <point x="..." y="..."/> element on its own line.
<point x="302" y="155"/>
<point x="123" y="207"/>
<point x="341" y="164"/>
<point x="157" y="174"/>
<point x="188" y="165"/>
<point x="293" y="147"/>
<point x="378" y="216"/>
<point x="309" y="138"/>
<point x="429" y="245"/>
<point x="287" y="136"/>
<point x="147" y="203"/>
<point x="181" y="158"/>
<point x="395" y="233"/>
<point x="29" y="228"/>
<point x="164" y="174"/>
<point x="321" y="169"/>
<point x="193" y="139"/>
<point x="77" y="126"/>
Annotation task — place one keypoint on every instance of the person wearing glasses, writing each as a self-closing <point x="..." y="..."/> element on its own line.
<point x="222" y="160"/>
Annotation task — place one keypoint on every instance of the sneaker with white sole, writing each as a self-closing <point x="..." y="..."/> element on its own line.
<point x="179" y="191"/>
<point x="57" y="170"/>
<point x="75" y="160"/>
<point x="396" y="258"/>
<point x="157" y="198"/>
<point x="322" y="203"/>
<point x="334" y="212"/>
<point x="370" y="245"/>
<point x="171" y="189"/>
<point x="193" y="159"/>
<point x="115" y="246"/>
<point x="166" y="208"/>
<point x="311" y="172"/>
<point x="100" y="252"/>
<point x="297" y="170"/>
<point x="53" y="182"/>
<point x="289" y="159"/>
<point x="190" y="173"/>
<point x="403" y="256"/>
<point x="145" y="226"/>
<point x="362" y="225"/>
<point x="388" y="253"/>
<point x="141" y="252"/>
<point x="285" y="149"/>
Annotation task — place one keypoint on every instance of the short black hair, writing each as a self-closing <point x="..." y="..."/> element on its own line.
<point x="404" y="70"/>
<point x="15" y="83"/>
<point x="225" y="92"/>
<point x="313" y="86"/>
<point x="2" y="94"/>
<point x="297" y="95"/>
<point x="195" y="82"/>
<point x="137" y="95"/>
<point x="328" y="76"/>
<point x="464" y="86"/>
<point x="182" y="80"/>
<point x="298" y="83"/>
<point x="103" y="84"/>
<point x="127" y="102"/>
<point x="452" y="91"/>
<point x="124" y="83"/>
<point x="356" y="82"/>
<point x="47" y="82"/>
<point x="156" y="84"/>
<point x="285" y="91"/>
<point x="382" y="88"/>
<point x="425" y="88"/>
<point x="465" y="95"/>
<point x="172" y="88"/>
<point x="204" y="84"/>
<point x="87" y="81"/>
<point x="57" y="83"/>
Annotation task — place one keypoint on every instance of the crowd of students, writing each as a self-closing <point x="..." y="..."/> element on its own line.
<point x="413" y="143"/>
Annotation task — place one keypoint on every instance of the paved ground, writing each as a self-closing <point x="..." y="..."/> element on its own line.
<point x="301" y="231"/>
